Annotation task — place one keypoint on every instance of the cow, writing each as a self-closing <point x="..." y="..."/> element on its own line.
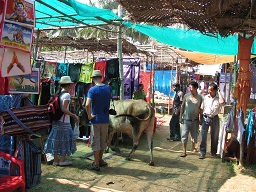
<point x="133" y="117"/>
<point x="31" y="83"/>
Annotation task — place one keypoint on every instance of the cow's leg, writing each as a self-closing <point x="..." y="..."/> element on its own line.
<point x="113" y="148"/>
<point x="135" y="145"/>
<point x="110" y="137"/>
<point x="150" y="145"/>
<point x="149" y="133"/>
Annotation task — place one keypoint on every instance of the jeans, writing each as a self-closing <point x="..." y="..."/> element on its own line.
<point x="215" y="127"/>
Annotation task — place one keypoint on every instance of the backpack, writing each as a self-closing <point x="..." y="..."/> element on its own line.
<point x="54" y="107"/>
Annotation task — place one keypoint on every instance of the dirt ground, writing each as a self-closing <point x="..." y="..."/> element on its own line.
<point x="170" y="173"/>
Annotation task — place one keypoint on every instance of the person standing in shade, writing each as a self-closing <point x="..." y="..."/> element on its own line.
<point x="139" y="94"/>
<point x="210" y="107"/>
<point x="61" y="141"/>
<point x="189" y="116"/>
<point x="97" y="107"/>
<point x="174" y="122"/>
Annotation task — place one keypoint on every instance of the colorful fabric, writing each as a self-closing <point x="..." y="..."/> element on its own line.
<point x="250" y="126"/>
<point x="112" y="68"/>
<point x="101" y="65"/>
<point x="62" y="70"/>
<point x="74" y="71"/>
<point x="115" y="87"/>
<point x="50" y="69"/>
<point x="86" y="72"/>
<point x="6" y="102"/>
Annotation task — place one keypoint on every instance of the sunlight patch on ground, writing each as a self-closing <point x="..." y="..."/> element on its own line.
<point x="239" y="183"/>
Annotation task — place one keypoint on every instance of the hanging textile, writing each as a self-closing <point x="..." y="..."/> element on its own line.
<point x="80" y="89"/>
<point x="242" y="88"/>
<point x="50" y="69"/>
<point x="253" y="78"/>
<point x="240" y="122"/>
<point x="86" y="72"/>
<point x="145" y="80"/>
<point x="40" y="64"/>
<point x="45" y="93"/>
<point x="101" y="65"/>
<point x="4" y="85"/>
<point x="250" y="126"/>
<point x="74" y="71"/>
<point x="115" y="87"/>
<point x="112" y="68"/>
<point x="131" y="69"/>
<point x="62" y="70"/>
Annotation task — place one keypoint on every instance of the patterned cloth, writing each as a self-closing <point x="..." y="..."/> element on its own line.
<point x="62" y="70"/>
<point x="6" y="102"/>
<point x="61" y="140"/>
<point x="86" y="72"/>
<point x="112" y="68"/>
<point x="74" y="71"/>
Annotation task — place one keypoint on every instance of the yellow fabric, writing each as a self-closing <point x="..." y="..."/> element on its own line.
<point x="204" y="58"/>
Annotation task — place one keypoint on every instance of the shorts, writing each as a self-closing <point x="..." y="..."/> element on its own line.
<point x="192" y="128"/>
<point x="99" y="135"/>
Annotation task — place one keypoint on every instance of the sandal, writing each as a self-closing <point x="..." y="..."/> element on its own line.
<point x="183" y="155"/>
<point x="103" y="163"/>
<point x="93" y="167"/>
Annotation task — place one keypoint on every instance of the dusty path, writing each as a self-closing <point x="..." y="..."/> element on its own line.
<point x="170" y="173"/>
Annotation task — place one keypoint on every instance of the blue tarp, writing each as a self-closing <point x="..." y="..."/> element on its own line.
<point x="163" y="80"/>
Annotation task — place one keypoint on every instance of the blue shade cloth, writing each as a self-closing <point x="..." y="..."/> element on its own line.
<point x="72" y="13"/>
<point x="163" y="81"/>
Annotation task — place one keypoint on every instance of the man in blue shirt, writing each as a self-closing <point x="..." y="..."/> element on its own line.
<point x="97" y="107"/>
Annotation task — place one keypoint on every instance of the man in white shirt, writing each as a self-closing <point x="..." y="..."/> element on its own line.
<point x="210" y="107"/>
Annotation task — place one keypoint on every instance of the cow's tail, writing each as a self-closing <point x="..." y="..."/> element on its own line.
<point x="132" y="116"/>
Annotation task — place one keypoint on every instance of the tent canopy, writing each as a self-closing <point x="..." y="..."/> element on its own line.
<point x="57" y="14"/>
<point x="54" y="14"/>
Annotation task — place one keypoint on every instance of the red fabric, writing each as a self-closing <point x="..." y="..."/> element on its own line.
<point x="4" y="85"/>
<point x="145" y="80"/>
<point x="101" y="65"/>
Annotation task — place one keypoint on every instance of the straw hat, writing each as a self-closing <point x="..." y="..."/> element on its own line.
<point x="65" y="80"/>
<point x="96" y="73"/>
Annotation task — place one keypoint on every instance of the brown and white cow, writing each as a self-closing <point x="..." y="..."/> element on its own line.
<point x="133" y="118"/>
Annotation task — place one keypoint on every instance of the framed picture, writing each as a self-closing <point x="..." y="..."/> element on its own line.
<point x="16" y="36"/>
<point x="20" y="11"/>
<point x="15" y="62"/>
<point x="25" y="83"/>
